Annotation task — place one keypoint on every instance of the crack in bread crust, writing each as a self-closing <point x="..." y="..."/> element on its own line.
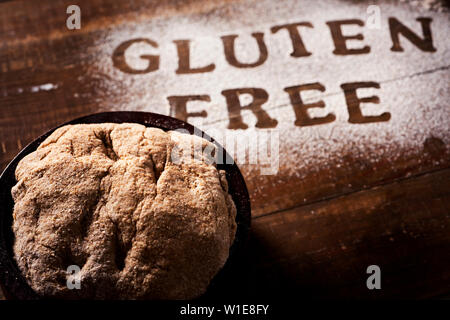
<point x="108" y="198"/>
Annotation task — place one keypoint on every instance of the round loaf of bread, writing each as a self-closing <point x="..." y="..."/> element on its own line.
<point x="110" y="201"/>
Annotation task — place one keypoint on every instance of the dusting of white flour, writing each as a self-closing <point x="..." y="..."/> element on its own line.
<point x="413" y="84"/>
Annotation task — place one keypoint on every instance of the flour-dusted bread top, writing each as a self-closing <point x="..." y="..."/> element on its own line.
<point x="110" y="199"/>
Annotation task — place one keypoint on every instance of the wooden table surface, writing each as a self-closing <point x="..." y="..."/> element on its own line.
<point x="357" y="182"/>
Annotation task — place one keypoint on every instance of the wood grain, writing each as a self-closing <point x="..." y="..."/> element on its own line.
<point x="315" y="227"/>
<point x="323" y="249"/>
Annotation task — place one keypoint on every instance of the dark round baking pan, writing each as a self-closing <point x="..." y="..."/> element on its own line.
<point x="14" y="284"/>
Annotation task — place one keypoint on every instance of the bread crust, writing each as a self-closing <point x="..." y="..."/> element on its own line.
<point x="110" y="199"/>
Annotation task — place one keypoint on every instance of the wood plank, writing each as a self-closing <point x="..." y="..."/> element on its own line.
<point x="323" y="249"/>
<point x="52" y="75"/>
